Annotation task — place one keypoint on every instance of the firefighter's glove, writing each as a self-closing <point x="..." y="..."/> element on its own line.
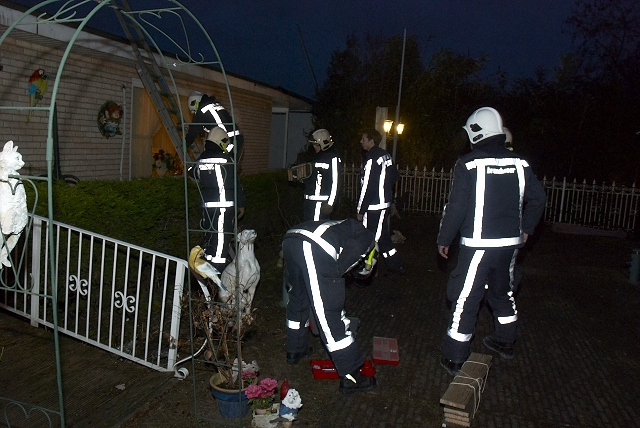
<point x="326" y="208"/>
<point x="240" y="212"/>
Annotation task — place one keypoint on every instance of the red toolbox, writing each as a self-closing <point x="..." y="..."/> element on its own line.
<point x="385" y="351"/>
<point x="324" y="369"/>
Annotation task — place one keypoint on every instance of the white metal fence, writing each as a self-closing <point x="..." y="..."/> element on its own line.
<point x="119" y="297"/>
<point x="127" y="299"/>
<point x="607" y="207"/>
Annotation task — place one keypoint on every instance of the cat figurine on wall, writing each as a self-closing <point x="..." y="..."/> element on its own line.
<point x="13" y="201"/>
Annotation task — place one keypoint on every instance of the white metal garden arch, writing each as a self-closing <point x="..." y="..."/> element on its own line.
<point x="162" y="38"/>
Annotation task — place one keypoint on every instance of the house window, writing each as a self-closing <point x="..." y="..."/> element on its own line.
<point x="152" y="152"/>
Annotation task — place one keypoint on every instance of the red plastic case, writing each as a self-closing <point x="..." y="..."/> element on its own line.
<point x="324" y="369"/>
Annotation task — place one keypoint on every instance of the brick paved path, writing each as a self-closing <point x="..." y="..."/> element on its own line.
<point x="577" y="355"/>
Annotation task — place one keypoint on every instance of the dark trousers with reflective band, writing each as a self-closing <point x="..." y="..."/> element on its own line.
<point x="313" y="211"/>
<point x="316" y="284"/>
<point x="379" y="223"/>
<point x="218" y="222"/>
<point x="476" y="268"/>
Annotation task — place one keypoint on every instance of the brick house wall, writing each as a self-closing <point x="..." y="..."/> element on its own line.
<point x="92" y="76"/>
<point x="85" y="84"/>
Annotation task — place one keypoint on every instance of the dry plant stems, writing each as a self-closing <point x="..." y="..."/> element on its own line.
<point x="222" y="330"/>
<point x="289" y="225"/>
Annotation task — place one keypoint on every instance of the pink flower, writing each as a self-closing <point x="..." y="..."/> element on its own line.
<point x="249" y="377"/>
<point x="269" y="385"/>
<point x="253" y="391"/>
<point x="261" y="396"/>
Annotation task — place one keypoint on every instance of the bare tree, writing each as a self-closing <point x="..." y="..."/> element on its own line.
<point x="608" y="37"/>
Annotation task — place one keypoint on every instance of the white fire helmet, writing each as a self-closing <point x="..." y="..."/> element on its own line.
<point x="220" y="137"/>
<point x="483" y="123"/>
<point x="322" y="138"/>
<point x="194" y="101"/>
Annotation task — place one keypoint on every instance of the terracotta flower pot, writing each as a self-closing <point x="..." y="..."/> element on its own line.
<point x="266" y="419"/>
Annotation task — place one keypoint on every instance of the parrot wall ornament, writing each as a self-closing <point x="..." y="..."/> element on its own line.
<point x="38" y="84"/>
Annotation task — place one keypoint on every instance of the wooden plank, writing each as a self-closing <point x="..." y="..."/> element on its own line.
<point x="454" y="423"/>
<point x="476" y="366"/>
<point x="461" y="422"/>
<point x="457" y="418"/>
<point x="466" y="388"/>
<point x="463" y="393"/>
<point x="455" y="412"/>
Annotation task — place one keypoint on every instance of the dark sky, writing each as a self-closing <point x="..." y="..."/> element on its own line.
<point x="259" y="39"/>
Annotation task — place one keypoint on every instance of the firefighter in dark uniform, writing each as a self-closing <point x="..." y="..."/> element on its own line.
<point x="495" y="203"/>
<point x="321" y="188"/>
<point x="216" y="176"/>
<point x="208" y="113"/>
<point x="377" y="179"/>
<point x="317" y="254"/>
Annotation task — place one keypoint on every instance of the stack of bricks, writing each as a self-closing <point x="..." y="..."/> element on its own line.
<point x="462" y="398"/>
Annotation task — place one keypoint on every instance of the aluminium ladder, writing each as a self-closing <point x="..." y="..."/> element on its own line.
<point x="153" y="80"/>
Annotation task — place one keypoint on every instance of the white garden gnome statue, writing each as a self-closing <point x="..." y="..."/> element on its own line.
<point x="290" y="405"/>
<point x="13" y="202"/>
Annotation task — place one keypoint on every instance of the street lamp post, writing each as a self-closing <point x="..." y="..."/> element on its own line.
<point x="395" y="134"/>
<point x="398" y="129"/>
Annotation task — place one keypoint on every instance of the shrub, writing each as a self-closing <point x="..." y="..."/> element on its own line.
<point x="151" y="212"/>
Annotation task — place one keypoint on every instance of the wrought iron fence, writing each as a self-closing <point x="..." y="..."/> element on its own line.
<point x="600" y="206"/>
<point x="117" y="296"/>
